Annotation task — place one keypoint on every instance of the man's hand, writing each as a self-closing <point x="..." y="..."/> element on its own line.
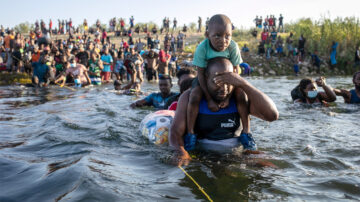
<point x="321" y="81"/>
<point x="182" y="158"/>
<point x="133" y="105"/>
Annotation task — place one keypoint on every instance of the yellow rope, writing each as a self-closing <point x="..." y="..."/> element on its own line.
<point x="200" y="188"/>
<point x="67" y="87"/>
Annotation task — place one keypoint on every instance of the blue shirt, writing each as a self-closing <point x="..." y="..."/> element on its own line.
<point x="156" y="100"/>
<point x="108" y="59"/>
<point x="273" y="35"/>
<point x="40" y="70"/>
<point x="245" y="65"/>
<point x="354" y="97"/>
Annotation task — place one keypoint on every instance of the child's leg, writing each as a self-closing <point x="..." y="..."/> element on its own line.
<point x="243" y="109"/>
<point x="193" y="108"/>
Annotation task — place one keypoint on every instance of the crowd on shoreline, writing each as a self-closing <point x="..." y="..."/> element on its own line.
<point x="90" y="57"/>
<point x="272" y="44"/>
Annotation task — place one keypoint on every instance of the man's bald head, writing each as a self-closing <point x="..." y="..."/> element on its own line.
<point x="219" y="64"/>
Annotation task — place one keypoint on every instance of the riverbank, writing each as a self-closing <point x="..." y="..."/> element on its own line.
<point x="260" y="65"/>
<point x="14" y="78"/>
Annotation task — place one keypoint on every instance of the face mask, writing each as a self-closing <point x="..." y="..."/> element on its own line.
<point x="70" y="47"/>
<point x="312" y="94"/>
<point x="73" y="65"/>
<point x="48" y="63"/>
<point x="77" y="83"/>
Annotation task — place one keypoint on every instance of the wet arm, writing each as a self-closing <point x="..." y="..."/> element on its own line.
<point x="261" y="105"/>
<point x="344" y="93"/>
<point x="329" y="95"/>
<point x="87" y="77"/>
<point x="139" y="103"/>
<point x="101" y="66"/>
<point x="178" y="129"/>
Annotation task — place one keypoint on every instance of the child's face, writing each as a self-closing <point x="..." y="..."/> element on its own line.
<point x="220" y="36"/>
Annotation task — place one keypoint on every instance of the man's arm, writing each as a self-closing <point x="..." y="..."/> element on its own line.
<point x="139" y="103"/>
<point x="261" y="105"/>
<point x="344" y="93"/>
<point x="178" y="127"/>
<point x="329" y="94"/>
<point x="143" y="102"/>
<point x="87" y="77"/>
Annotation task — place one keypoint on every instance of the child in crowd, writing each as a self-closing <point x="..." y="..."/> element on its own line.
<point x="296" y="62"/>
<point x="95" y="67"/>
<point x="218" y="43"/>
<point x="119" y="67"/>
<point x="129" y="89"/>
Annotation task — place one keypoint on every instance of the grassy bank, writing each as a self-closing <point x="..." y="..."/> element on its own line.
<point x="9" y="78"/>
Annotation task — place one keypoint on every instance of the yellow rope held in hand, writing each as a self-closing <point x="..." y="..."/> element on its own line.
<point x="200" y="188"/>
<point x="67" y="87"/>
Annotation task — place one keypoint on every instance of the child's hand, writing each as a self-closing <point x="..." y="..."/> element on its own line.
<point x="213" y="106"/>
<point x="228" y="78"/>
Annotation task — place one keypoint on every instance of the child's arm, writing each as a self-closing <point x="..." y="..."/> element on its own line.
<point x="201" y="76"/>
<point x="237" y="69"/>
<point x="202" y="82"/>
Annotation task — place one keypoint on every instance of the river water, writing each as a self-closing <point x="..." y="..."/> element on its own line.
<point x="63" y="145"/>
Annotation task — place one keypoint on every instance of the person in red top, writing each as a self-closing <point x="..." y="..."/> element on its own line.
<point x="271" y="21"/>
<point x="164" y="59"/>
<point x="264" y="35"/>
<point x="50" y="26"/>
<point x="125" y="45"/>
<point x="70" y="23"/>
<point x="103" y="36"/>
<point x="122" y="24"/>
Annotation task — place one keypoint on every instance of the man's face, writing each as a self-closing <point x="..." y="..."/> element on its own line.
<point x="219" y="92"/>
<point x="165" y="86"/>
<point x="356" y="81"/>
<point x="220" y="36"/>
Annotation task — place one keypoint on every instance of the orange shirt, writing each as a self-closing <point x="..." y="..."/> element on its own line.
<point x="35" y="57"/>
<point x="32" y="35"/>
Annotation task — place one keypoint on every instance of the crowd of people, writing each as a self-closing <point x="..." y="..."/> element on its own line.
<point x="273" y="44"/>
<point x="269" y="23"/>
<point x="89" y="58"/>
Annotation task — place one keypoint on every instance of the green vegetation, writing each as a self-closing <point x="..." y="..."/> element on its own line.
<point x="9" y="78"/>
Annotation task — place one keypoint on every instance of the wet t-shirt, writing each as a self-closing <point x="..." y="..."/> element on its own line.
<point x="40" y="71"/>
<point x="217" y="125"/>
<point x="107" y="59"/>
<point x="156" y="100"/>
<point x="78" y="72"/>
